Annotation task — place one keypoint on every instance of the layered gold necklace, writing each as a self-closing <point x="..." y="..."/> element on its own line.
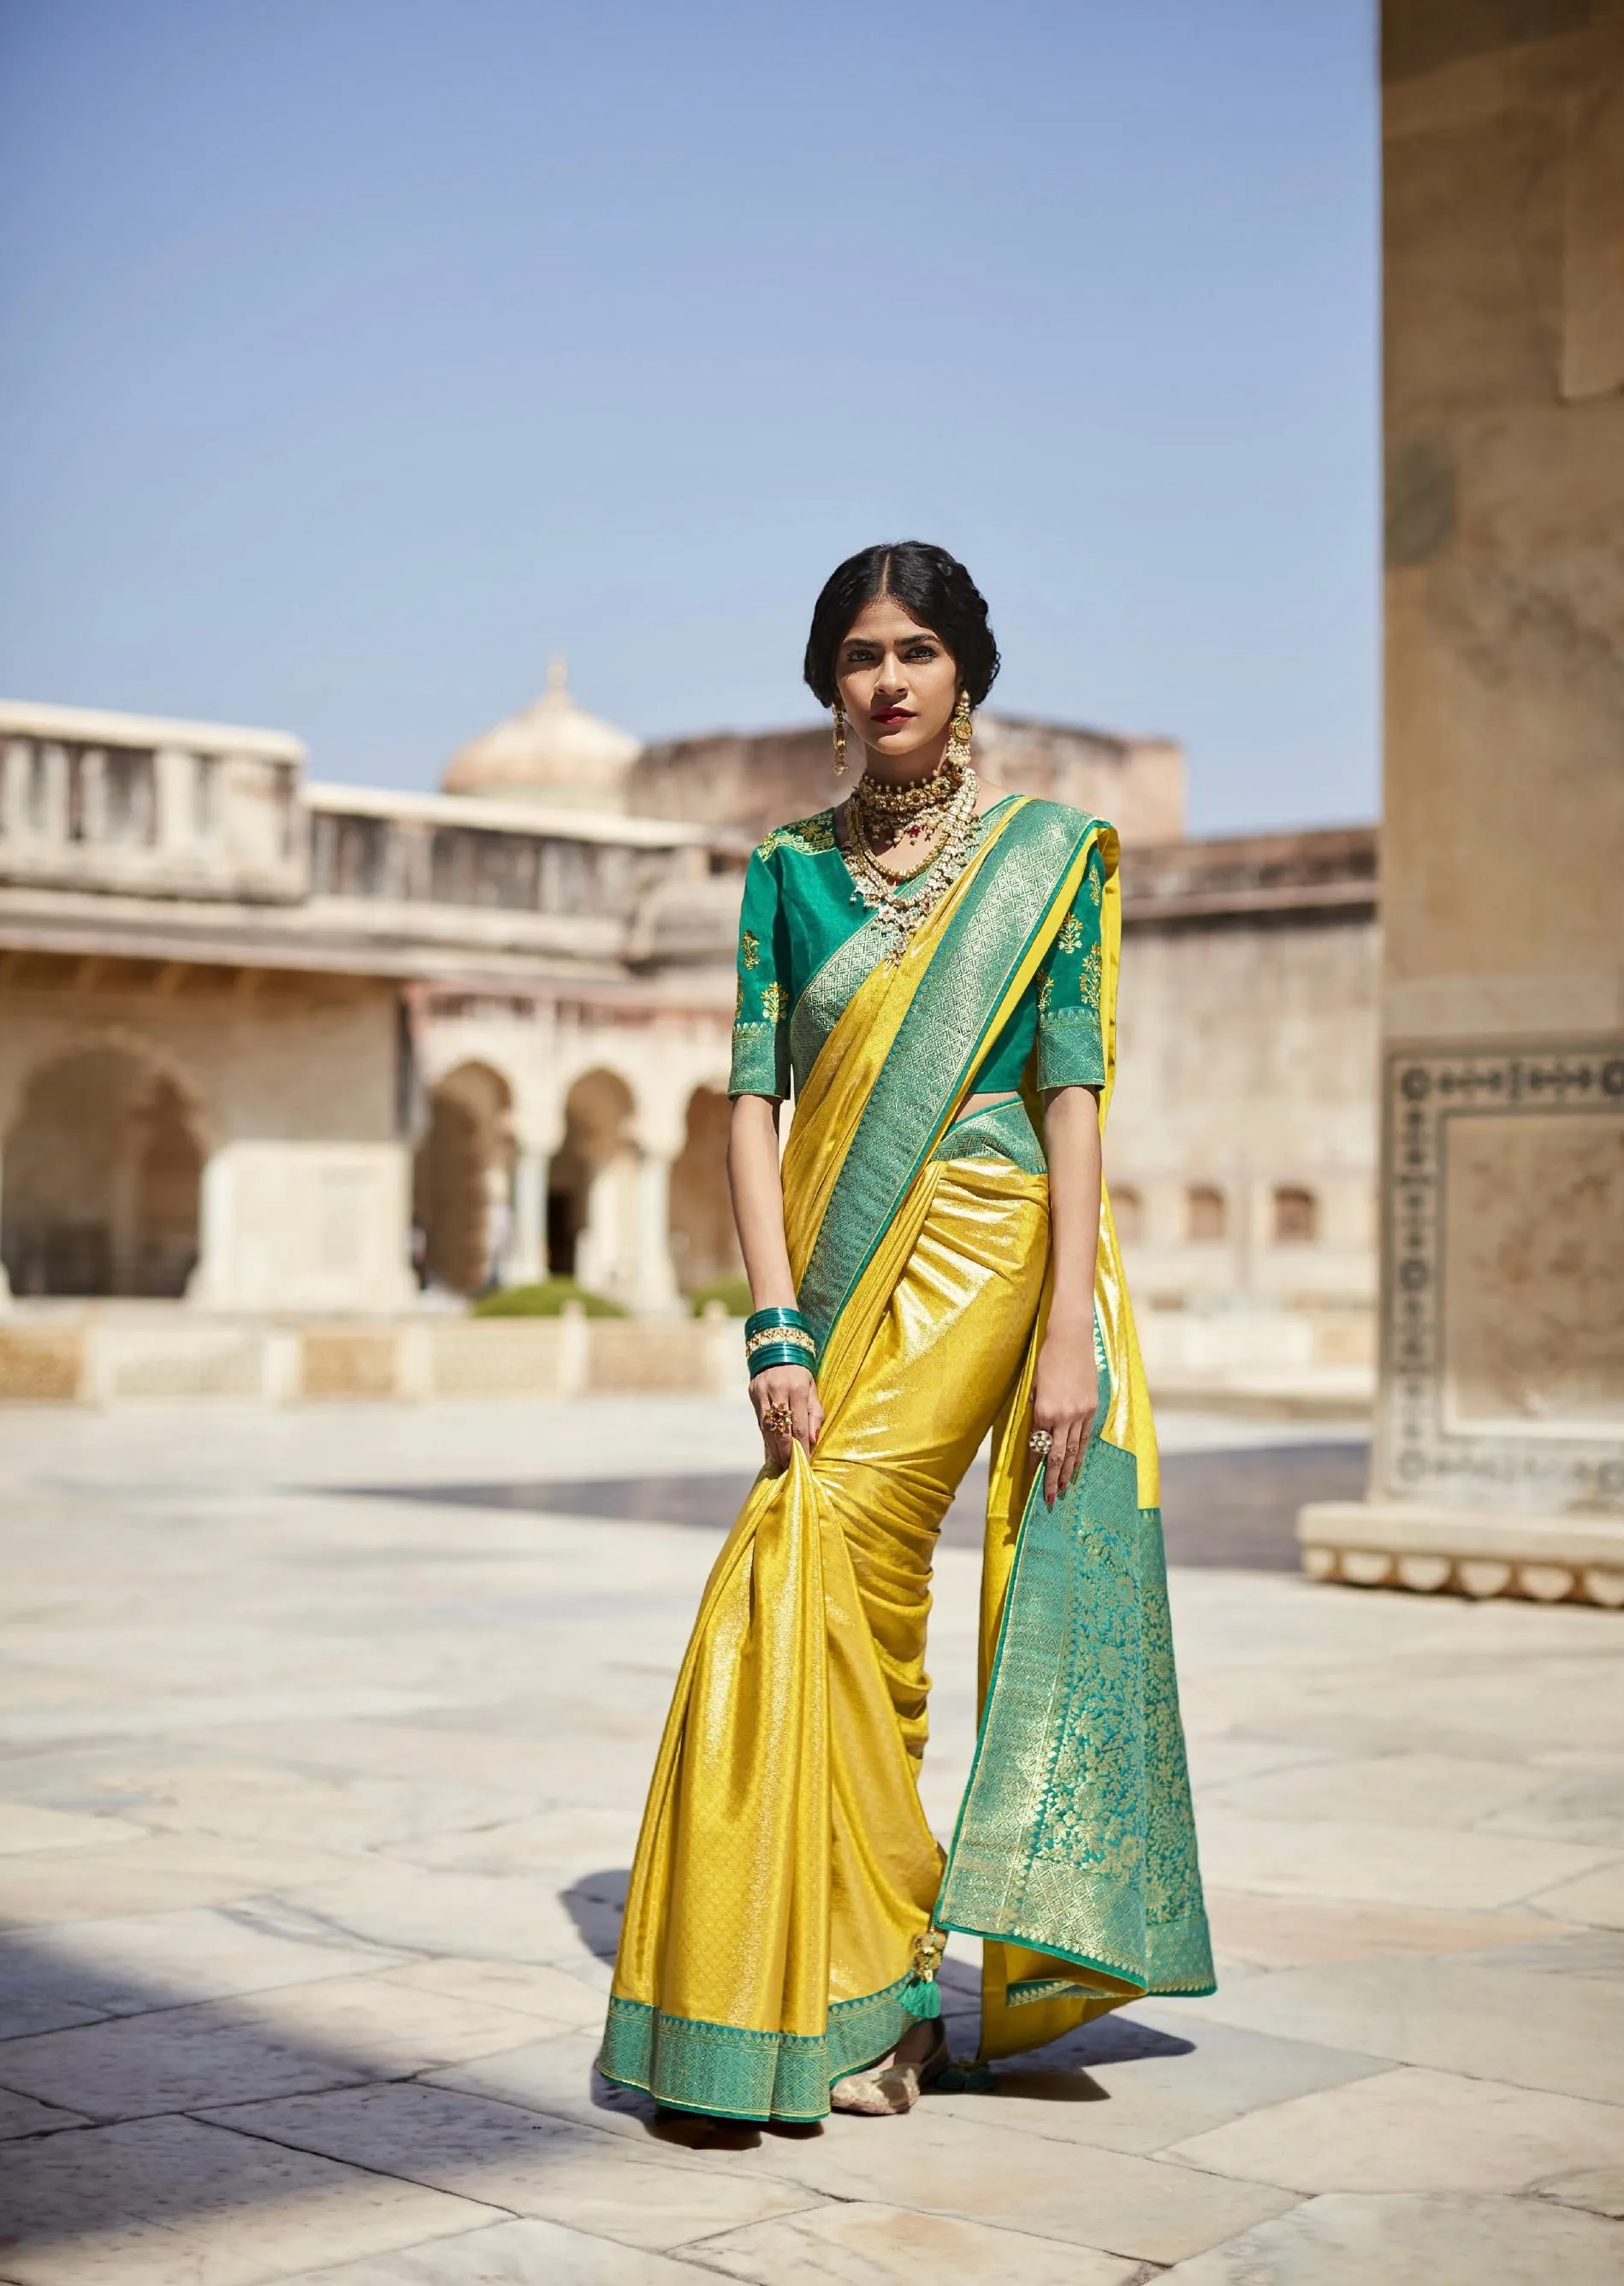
<point x="940" y="809"/>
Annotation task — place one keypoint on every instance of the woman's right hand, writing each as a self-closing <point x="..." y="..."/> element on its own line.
<point x="790" y="1385"/>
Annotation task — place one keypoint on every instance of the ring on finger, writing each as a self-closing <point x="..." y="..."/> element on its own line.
<point x="1041" y="1442"/>
<point x="778" y="1417"/>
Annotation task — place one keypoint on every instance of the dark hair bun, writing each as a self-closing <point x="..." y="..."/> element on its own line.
<point x="930" y="585"/>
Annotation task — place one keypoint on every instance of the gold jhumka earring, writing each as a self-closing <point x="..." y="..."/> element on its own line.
<point x="957" y="754"/>
<point x="839" y="739"/>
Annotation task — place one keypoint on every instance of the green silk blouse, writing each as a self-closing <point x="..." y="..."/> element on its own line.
<point x="807" y="940"/>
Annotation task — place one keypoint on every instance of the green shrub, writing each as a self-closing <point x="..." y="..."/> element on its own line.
<point x="732" y="1293"/>
<point x="545" y="1300"/>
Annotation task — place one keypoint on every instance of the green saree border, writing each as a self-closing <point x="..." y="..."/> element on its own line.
<point x="823" y="1002"/>
<point x="735" y="2073"/>
<point x="937" y="1044"/>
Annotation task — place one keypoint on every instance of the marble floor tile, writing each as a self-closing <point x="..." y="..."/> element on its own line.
<point x="1291" y="1932"/>
<point x="584" y="1835"/>
<point x="1596" y="1898"/>
<point x="528" y="2253"/>
<point x="160" y="2201"/>
<point x="259" y="1801"/>
<point x="1389" y="1864"/>
<point x="536" y="1989"/>
<point x="1563" y="2033"/>
<point x="159" y="1873"/>
<point x="865" y="2245"/>
<point x="1084" y="2194"/>
<point x="20" y="2115"/>
<point x="508" y="1917"/>
<point x="1143" y="2080"/>
<point x="1585" y="1806"/>
<point x="518" y="2160"/>
<point x="1600" y="2190"/>
<point x="394" y="2029"/>
<point x="385" y="1756"/>
<point x="1419" y="2240"/>
<point x="1219" y="1759"/>
<point x="1562" y="1951"/>
<point x="71" y="1972"/>
<point x="173" y="2060"/>
<point x="1442" y="1792"/>
<point x="24" y="1825"/>
<point x="1411" y="2130"/>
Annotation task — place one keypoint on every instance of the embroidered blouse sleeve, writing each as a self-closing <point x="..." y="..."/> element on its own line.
<point x="1070" y="1048"/>
<point x="761" y="1010"/>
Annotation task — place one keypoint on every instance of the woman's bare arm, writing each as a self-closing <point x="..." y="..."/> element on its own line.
<point x="1066" y="1393"/>
<point x="757" y="1189"/>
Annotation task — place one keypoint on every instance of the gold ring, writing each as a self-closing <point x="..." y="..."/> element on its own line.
<point x="1041" y="1441"/>
<point x="778" y="1417"/>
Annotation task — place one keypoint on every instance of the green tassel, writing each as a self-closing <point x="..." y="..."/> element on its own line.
<point x="921" y="1998"/>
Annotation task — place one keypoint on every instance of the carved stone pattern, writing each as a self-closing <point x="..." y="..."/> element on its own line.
<point x="1417" y="1456"/>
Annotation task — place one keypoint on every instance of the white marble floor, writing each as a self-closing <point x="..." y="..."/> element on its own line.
<point x="315" y="1803"/>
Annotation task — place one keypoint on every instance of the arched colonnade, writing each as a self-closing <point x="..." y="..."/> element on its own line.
<point x="600" y="1156"/>
<point x="102" y="1159"/>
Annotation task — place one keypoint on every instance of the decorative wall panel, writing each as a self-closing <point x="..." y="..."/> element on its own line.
<point x="1503" y="1278"/>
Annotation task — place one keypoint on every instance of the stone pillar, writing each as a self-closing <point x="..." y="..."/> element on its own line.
<point x="655" y="1290"/>
<point x="526" y="1263"/>
<point x="211" y="1274"/>
<point x="1498" y="1462"/>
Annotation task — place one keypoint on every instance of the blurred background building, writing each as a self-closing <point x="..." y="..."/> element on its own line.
<point x="270" y="1046"/>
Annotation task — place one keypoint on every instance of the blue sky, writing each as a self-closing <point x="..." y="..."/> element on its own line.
<point x="361" y="352"/>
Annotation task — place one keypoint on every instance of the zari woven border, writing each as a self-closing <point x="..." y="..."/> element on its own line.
<point x="737" y="2074"/>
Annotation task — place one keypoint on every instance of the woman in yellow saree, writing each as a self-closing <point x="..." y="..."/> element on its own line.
<point x="933" y="970"/>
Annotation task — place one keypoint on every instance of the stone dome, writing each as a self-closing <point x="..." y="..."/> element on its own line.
<point x="555" y="754"/>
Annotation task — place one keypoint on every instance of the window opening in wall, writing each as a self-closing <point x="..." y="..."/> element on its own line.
<point x="1296" y="1216"/>
<point x="1205" y="1212"/>
<point x="1128" y="1213"/>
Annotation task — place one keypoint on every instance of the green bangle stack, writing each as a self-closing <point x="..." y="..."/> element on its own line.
<point x="779" y="1336"/>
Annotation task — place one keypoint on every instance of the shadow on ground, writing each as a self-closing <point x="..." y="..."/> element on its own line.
<point x="1227" y="1510"/>
<point x="144" y="2151"/>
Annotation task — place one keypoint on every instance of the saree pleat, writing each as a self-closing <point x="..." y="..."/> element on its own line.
<point x="784" y="1866"/>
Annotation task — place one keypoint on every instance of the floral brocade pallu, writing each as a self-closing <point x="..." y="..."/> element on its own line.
<point x="785" y="1868"/>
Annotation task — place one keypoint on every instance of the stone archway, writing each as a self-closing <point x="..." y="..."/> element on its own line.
<point x="703" y="1244"/>
<point x="592" y="1186"/>
<point x="102" y="1181"/>
<point x="463" y="1181"/>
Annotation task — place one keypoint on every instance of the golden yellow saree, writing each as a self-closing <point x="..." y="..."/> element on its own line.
<point x="784" y="1869"/>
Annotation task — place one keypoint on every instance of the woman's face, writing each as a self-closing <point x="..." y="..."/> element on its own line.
<point x="899" y="684"/>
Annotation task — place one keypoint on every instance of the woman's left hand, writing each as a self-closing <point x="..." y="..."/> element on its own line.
<point x="1065" y="1400"/>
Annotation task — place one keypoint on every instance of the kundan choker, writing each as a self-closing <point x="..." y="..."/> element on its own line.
<point x="900" y="902"/>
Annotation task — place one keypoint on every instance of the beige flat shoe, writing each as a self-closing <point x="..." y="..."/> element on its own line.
<point x="889" y="2087"/>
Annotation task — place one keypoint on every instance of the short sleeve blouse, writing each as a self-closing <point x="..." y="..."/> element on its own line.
<point x="796" y="909"/>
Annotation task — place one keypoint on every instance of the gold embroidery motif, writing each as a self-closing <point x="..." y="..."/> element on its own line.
<point x="750" y="948"/>
<point x="738" y="1002"/>
<point x="1096" y="886"/>
<point x="809" y="836"/>
<point x="1070" y="938"/>
<point x="1088" y="982"/>
<point x="1045" y="993"/>
<point x="772" y="1003"/>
